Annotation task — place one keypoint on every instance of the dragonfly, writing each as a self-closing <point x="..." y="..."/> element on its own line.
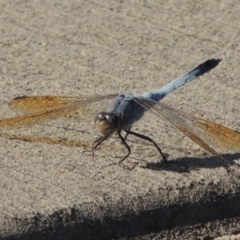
<point x="124" y="111"/>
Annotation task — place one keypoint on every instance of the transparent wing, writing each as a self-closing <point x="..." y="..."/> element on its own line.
<point x="40" y="109"/>
<point x="202" y="132"/>
<point x="34" y="104"/>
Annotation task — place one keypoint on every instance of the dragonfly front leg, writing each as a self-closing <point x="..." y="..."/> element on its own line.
<point x="158" y="148"/>
<point x="97" y="142"/>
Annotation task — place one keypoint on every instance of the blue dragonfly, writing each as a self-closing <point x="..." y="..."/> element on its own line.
<point x="124" y="111"/>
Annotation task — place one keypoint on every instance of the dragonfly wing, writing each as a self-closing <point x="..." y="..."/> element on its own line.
<point x="221" y="136"/>
<point x="45" y="108"/>
<point x="34" y="104"/>
<point x="215" y="134"/>
<point x="178" y="121"/>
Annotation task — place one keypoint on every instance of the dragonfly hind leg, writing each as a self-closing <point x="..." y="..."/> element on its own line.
<point x="158" y="148"/>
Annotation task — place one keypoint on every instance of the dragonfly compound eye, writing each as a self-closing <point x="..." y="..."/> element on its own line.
<point x="107" y="123"/>
<point x="102" y="124"/>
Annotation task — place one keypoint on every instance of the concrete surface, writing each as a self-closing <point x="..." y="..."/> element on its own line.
<point x="50" y="187"/>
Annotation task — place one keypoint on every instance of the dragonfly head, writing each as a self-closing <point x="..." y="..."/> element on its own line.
<point x="107" y="122"/>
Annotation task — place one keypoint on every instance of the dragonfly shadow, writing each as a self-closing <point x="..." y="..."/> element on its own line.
<point x="195" y="163"/>
<point x="192" y="163"/>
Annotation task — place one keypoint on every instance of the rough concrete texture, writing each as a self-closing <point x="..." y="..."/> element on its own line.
<point x="50" y="187"/>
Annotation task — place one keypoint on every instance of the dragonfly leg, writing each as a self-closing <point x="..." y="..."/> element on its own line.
<point x="97" y="142"/>
<point x="120" y="163"/>
<point x="126" y="133"/>
<point x="158" y="148"/>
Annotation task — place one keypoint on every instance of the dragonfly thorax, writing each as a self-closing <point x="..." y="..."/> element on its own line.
<point x="107" y="122"/>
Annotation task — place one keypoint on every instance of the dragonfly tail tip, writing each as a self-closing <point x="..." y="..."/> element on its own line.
<point x="210" y="64"/>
